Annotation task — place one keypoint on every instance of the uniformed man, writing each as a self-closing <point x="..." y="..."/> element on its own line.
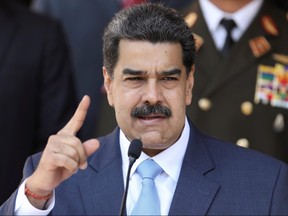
<point x="241" y="78"/>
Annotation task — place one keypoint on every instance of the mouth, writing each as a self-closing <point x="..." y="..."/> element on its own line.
<point x="153" y="116"/>
<point x="152" y="119"/>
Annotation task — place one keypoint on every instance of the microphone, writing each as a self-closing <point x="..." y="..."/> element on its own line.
<point x="134" y="152"/>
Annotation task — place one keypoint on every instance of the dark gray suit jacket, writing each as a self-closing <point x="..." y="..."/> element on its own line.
<point x="217" y="178"/>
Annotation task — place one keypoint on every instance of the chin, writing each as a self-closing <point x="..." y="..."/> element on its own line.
<point x="154" y="142"/>
<point x="154" y="146"/>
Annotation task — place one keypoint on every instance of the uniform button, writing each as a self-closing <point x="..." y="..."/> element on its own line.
<point x="247" y="108"/>
<point x="243" y="142"/>
<point x="204" y="104"/>
<point x="279" y="123"/>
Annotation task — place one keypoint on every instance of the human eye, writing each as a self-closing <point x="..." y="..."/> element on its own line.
<point x="133" y="78"/>
<point x="133" y="81"/>
<point x="170" y="78"/>
<point x="171" y="75"/>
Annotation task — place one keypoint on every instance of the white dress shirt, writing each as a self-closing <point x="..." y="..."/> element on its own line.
<point x="170" y="161"/>
<point x="24" y="207"/>
<point x="243" y="17"/>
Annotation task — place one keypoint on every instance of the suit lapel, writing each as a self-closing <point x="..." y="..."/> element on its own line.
<point x="194" y="193"/>
<point x="105" y="181"/>
<point x="229" y="69"/>
<point x="208" y="59"/>
<point x="212" y="58"/>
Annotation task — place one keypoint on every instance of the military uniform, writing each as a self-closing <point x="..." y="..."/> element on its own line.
<point x="244" y="98"/>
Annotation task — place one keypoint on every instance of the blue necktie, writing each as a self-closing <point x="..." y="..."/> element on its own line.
<point x="148" y="202"/>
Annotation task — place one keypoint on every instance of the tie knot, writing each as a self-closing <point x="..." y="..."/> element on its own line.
<point x="149" y="169"/>
<point x="228" y="24"/>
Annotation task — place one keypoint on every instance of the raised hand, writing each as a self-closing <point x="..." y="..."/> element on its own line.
<point x="63" y="156"/>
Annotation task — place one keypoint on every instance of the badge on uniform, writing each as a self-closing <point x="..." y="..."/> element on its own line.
<point x="280" y="58"/>
<point x="190" y="19"/>
<point x="198" y="41"/>
<point x="272" y="85"/>
<point x="259" y="46"/>
<point x="269" y="26"/>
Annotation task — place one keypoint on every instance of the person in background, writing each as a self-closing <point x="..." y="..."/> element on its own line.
<point x="37" y="93"/>
<point x="149" y="54"/>
<point x="241" y="77"/>
<point x="84" y="22"/>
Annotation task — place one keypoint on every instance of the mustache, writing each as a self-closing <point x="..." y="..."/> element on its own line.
<point x="146" y="110"/>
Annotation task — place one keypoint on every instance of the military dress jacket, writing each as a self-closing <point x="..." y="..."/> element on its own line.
<point x="244" y="98"/>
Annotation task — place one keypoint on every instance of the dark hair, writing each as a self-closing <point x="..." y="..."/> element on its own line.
<point x="147" y="22"/>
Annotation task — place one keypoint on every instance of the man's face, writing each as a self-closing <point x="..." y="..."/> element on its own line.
<point x="150" y="74"/>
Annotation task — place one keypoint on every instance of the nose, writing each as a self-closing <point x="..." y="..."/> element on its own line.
<point x="152" y="93"/>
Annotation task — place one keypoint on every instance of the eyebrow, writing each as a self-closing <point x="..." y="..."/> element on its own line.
<point x="175" y="71"/>
<point x="128" y="71"/>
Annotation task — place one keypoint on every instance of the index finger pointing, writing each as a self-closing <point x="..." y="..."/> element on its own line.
<point x="77" y="120"/>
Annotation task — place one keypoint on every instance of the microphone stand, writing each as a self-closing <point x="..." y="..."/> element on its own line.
<point x="124" y="198"/>
<point x="134" y="152"/>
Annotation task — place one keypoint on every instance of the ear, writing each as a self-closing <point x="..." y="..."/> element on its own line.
<point x="189" y="86"/>
<point x="108" y="86"/>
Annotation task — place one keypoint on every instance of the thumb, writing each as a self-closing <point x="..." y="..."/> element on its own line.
<point x="90" y="146"/>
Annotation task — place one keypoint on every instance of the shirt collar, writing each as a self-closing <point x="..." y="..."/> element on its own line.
<point x="242" y="17"/>
<point x="170" y="159"/>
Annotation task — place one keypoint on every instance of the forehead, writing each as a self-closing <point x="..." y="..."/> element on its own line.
<point x="144" y="55"/>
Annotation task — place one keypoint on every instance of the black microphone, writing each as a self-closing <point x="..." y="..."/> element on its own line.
<point x="134" y="152"/>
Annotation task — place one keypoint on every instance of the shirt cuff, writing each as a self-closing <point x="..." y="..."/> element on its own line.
<point x="24" y="207"/>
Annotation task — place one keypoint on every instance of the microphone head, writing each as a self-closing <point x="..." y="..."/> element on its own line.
<point x="135" y="148"/>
